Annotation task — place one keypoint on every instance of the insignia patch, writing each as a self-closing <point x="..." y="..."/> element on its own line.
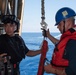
<point x="64" y="13"/>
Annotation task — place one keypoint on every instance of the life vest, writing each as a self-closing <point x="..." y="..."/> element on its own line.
<point x="57" y="59"/>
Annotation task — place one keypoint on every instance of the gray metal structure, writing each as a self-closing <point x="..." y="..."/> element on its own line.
<point x="11" y="7"/>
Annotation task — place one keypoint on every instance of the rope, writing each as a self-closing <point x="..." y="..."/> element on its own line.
<point x="43" y="23"/>
<point x="44" y="46"/>
<point x="42" y="9"/>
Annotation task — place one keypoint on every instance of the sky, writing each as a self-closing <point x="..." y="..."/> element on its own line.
<point x="32" y="14"/>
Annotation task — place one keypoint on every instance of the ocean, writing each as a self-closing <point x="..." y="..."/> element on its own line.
<point x="29" y="65"/>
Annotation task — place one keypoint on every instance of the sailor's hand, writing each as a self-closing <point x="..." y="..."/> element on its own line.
<point x="2" y="57"/>
<point x="49" y="69"/>
<point x="60" y="72"/>
<point x="44" y="32"/>
<point x="48" y="33"/>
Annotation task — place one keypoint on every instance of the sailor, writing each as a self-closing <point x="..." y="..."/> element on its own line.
<point x="12" y="46"/>
<point x="64" y="57"/>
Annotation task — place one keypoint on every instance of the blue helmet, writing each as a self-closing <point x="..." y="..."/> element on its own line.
<point x="63" y="14"/>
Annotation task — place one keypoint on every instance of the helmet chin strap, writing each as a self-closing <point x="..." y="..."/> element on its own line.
<point x="64" y="26"/>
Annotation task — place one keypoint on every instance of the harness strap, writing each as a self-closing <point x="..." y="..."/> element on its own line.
<point x="42" y="58"/>
<point x="8" y="68"/>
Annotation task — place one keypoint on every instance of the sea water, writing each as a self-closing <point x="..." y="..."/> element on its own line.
<point x="29" y="65"/>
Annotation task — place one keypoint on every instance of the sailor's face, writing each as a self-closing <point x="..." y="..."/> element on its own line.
<point x="60" y="26"/>
<point x="10" y="28"/>
<point x="69" y="23"/>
